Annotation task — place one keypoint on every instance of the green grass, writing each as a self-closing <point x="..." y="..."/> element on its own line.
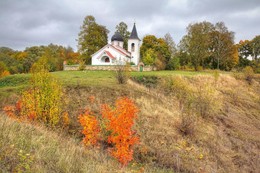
<point x="11" y="86"/>
<point x="13" y="81"/>
<point x="14" y="84"/>
<point x="86" y="78"/>
<point x="106" y="78"/>
<point x="168" y="73"/>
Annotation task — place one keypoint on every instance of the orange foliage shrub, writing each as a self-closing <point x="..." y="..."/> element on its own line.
<point x="14" y="111"/>
<point x="65" y="119"/>
<point x="119" y="122"/>
<point x="90" y="127"/>
<point x="29" y="105"/>
<point x="10" y="111"/>
<point x="18" y="106"/>
<point x="91" y="99"/>
<point x="4" y="73"/>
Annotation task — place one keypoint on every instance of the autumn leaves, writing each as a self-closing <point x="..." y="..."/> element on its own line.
<point x="115" y="127"/>
<point x="43" y="102"/>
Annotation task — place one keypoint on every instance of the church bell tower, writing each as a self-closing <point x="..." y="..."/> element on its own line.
<point x="134" y="44"/>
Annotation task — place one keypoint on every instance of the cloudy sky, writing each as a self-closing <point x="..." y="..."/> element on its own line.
<point x="25" y="23"/>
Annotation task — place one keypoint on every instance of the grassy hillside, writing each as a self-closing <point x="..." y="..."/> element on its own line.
<point x="14" y="84"/>
<point x="224" y="139"/>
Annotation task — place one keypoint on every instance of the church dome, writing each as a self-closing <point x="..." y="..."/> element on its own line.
<point x="117" y="37"/>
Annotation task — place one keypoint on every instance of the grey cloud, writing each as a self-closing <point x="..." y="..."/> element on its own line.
<point x="37" y="22"/>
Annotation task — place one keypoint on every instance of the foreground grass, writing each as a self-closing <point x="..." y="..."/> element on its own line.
<point x="34" y="148"/>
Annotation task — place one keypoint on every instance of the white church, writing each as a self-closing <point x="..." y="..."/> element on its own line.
<point x="115" y="54"/>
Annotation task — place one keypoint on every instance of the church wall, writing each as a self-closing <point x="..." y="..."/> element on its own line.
<point x="104" y="68"/>
<point x="136" y="53"/>
<point x="118" y="57"/>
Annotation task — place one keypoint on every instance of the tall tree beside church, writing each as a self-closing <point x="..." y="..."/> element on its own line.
<point x="122" y="29"/>
<point x="160" y="49"/>
<point x="92" y="37"/>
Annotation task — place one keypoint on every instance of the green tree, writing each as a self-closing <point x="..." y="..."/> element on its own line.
<point x="92" y="37"/>
<point x="2" y="67"/>
<point x="174" y="63"/>
<point x="255" y="43"/>
<point x="149" y="57"/>
<point x="33" y="54"/>
<point x="245" y="48"/>
<point x="209" y="46"/>
<point x="197" y="41"/>
<point x="149" y="42"/>
<point x="122" y="29"/>
<point x="7" y="56"/>
<point x="171" y="44"/>
<point x="184" y="56"/>
<point x="160" y="49"/>
<point x="222" y="47"/>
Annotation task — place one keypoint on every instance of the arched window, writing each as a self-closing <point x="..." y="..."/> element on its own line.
<point x="132" y="47"/>
<point x="107" y="59"/>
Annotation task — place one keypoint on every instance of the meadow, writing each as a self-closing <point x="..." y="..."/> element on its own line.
<point x="217" y="132"/>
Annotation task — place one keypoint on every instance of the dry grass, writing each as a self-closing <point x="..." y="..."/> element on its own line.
<point x="33" y="148"/>
<point x="49" y="151"/>
<point x="226" y="139"/>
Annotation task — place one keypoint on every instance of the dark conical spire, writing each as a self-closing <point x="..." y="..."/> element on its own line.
<point x="134" y="34"/>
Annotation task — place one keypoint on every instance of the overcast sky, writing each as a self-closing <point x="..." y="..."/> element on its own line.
<point x="25" y="23"/>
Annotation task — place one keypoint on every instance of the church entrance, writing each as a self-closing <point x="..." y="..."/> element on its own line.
<point x="141" y="68"/>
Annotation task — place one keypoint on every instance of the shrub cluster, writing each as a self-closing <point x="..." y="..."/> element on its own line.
<point x="121" y="73"/>
<point x="194" y="100"/>
<point x="115" y="127"/>
<point x="42" y="101"/>
<point x="147" y="81"/>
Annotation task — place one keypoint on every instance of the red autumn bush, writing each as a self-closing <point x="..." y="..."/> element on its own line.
<point x="90" y="128"/>
<point x="10" y="111"/>
<point x="119" y="122"/>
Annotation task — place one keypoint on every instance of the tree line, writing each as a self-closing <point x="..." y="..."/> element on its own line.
<point x="204" y="46"/>
<point x="13" y="61"/>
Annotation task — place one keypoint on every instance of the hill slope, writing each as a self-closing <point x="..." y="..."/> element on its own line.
<point x="226" y="140"/>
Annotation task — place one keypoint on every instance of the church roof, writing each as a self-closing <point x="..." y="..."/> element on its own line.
<point x="117" y="37"/>
<point x="109" y="54"/>
<point x="121" y="50"/>
<point x="134" y="34"/>
<point x="116" y="48"/>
